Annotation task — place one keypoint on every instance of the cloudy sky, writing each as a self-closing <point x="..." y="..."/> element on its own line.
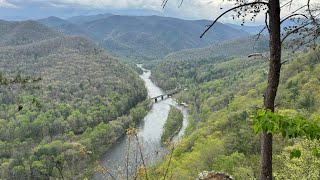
<point x="191" y="9"/>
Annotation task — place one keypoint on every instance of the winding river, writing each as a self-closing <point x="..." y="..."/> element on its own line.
<point x="119" y="156"/>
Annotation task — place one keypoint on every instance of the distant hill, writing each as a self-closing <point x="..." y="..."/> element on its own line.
<point x="146" y="37"/>
<point x="256" y="29"/>
<point x="232" y="48"/>
<point x="24" y="32"/>
<point x="64" y="26"/>
<point x="250" y="29"/>
<point x="85" y="19"/>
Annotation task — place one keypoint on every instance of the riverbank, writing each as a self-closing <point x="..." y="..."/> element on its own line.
<point x="149" y="134"/>
<point x="172" y="125"/>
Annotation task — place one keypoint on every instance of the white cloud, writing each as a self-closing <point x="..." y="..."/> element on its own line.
<point x="6" y="4"/>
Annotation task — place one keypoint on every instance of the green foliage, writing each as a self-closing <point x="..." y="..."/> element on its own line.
<point x="291" y="127"/>
<point x="221" y="110"/>
<point x="306" y="167"/>
<point x="172" y="125"/>
<point x="204" y="64"/>
<point x="85" y="101"/>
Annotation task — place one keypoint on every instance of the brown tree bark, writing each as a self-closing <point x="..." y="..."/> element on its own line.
<point x="273" y="83"/>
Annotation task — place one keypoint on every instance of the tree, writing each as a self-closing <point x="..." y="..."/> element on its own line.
<point x="307" y="26"/>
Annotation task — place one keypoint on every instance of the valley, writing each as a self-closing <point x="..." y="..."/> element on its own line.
<point x="76" y="98"/>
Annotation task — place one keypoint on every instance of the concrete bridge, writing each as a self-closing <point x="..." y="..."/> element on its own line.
<point x="166" y="95"/>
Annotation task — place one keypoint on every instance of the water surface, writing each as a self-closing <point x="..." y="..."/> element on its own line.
<point x="149" y="136"/>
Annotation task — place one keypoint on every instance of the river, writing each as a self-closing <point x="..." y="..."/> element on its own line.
<point x="150" y="129"/>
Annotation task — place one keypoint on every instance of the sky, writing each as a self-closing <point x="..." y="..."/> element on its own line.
<point x="190" y="9"/>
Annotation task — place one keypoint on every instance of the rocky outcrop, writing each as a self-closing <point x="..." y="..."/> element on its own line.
<point x="211" y="175"/>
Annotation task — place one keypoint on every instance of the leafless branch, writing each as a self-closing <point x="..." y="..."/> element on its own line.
<point x="164" y="3"/>
<point x="292" y="15"/>
<point x="141" y="155"/>
<point x="266" y="21"/>
<point x="165" y="174"/>
<point x="231" y="9"/>
<point x="128" y="156"/>
<point x="259" y="34"/>
<point x="289" y="2"/>
<point x="304" y="43"/>
<point x="180" y="3"/>
<point x="309" y="10"/>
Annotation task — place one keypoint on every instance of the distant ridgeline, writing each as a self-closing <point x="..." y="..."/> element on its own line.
<point x="143" y="37"/>
<point x="85" y="102"/>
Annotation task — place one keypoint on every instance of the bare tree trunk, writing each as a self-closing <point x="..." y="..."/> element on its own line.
<point x="273" y="82"/>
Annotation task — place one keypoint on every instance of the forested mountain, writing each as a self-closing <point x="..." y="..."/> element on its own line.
<point x="145" y="37"/>
<point x="23" y="32"/>
<point x="64" y="26"/>
<point x="85" y="101"/>
<point x="198" y="65"/>
<point x="222" y="99"/>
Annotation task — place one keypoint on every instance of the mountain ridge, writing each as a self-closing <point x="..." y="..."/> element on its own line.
<point x="148" y="37"/>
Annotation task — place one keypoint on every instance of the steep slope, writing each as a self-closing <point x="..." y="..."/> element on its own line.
<point x="85" y="101"/>
<point x="148" y="37"/>
<point x="220" y="135"/>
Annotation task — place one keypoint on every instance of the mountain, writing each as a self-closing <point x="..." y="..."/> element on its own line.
<point x="85" y="19"/>
<point x="64" y="26"/>
<point x="199" y="64"/>
<point x="149" y="37"/>
<point x="24" y="32"/>
<point x="85" y="100"/>
<point x="231" y="48"/>
<point x="250" y="29"/>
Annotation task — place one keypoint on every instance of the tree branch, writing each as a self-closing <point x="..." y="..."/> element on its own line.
<point x="289" y="2"/>
<point x="164" y="3"/>
<point x="292" y="15"/>
<point x="180" y="3"/>
<point x="293" y="31"/>
<point x="299" y="8"/>
<point x="231" y="9"/>
<point x="259" y="34"/>
<point x="266" y="21"/>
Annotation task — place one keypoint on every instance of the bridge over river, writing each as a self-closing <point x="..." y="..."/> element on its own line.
<point x="166" y="95"/>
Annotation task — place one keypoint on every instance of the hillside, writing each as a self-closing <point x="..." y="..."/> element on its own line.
<point x="220" y="136"/>
<point x="198" y="65"/>
<point x="85" y="100"/>
<point x="147" y="37"/>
